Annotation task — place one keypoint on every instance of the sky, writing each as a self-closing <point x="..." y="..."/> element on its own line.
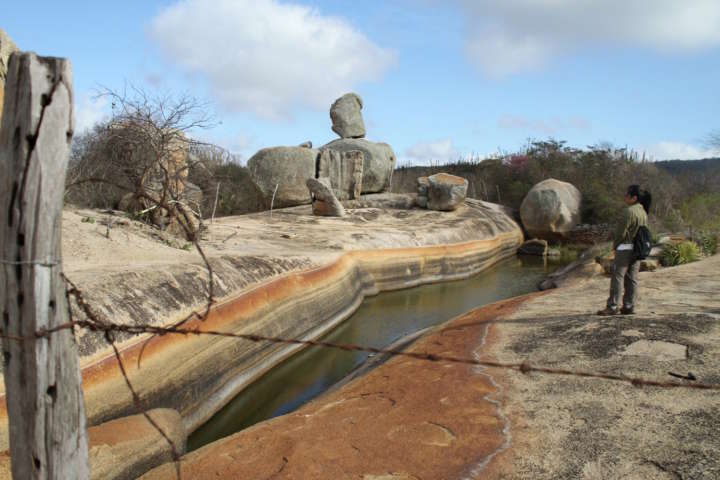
<point x="440" y="80"/>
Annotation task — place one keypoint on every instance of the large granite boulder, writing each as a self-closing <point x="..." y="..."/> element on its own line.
<point x="378" y="161"/>
<point x="7" y="47"/>
<point x="324" y="202"/>
<point x="345" y="171"/>
<point x="284" y="168"/>
<point x="422" y="192"/>
<point x="446" y="192"/>
<point x="346" y="116"/>
<point x="551" y="209"/>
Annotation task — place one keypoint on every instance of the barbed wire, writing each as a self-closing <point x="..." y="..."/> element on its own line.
<point x="523" y="367"/>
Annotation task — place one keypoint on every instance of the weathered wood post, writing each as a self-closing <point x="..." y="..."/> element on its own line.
<point x="46" y="410"/>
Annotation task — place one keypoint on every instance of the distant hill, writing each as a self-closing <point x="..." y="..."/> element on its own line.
<point x="694" y="166"/>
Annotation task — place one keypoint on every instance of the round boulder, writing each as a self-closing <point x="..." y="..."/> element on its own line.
<point x="445" y="192"/>
<point x="346" y="116"/>
<point x="378" y="161"/>
<point x="551" y="209"/>
<point x="284" y="168"/>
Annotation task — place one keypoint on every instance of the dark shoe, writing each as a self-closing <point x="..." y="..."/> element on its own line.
<point x="627" y="310"/>
<point x="607" y="311"/>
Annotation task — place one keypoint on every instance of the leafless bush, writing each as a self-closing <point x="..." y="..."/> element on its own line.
<point x="138" y="160"/>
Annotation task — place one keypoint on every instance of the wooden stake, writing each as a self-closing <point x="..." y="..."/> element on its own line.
<point x="46" y="410"/>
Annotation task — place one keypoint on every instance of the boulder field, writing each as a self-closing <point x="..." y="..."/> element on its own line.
<point x="289" y="274"/>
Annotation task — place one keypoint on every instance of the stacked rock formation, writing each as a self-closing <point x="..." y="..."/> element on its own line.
<point x="347" y="120"/>
<point x="551" y="209"/>
<point x="7" y="47"/>
<point x="441" y="191"/>
<point x="351" y="164"/>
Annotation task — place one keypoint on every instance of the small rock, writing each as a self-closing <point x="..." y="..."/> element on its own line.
<point x="346" y="116"/>
<point x="324" y="201"/>
<point x="446" y="192"/>
<point x="649" y="265"/>
<point x="307" y="144"/>
<point x="656" y="251"/>
<point x="535" y="246"/>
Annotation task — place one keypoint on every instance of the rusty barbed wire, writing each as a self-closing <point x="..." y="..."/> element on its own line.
<point x="523" y="367"/>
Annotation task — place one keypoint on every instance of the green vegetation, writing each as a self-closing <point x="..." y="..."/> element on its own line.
<point x="684" y="192"/>
<point x="680" y="253"/>
<point x="708" y="242"/>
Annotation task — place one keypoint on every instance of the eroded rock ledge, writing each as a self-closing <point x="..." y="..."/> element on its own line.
<point x="289" y="275"/>
<point x="412" y="419"/>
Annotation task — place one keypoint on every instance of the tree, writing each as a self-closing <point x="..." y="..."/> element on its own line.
<point x="139" y="159"/>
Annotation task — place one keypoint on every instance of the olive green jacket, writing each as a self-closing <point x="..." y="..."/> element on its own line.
<point x="634" y="218"/>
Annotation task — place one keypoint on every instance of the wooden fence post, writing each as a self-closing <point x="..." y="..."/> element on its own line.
<point x="46" y="409"/>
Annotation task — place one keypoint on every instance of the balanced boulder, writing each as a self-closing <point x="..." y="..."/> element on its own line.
<point x="281" y="172"/>
<point x="445" y="191"/>
<point x="346" y="116"/>
<point x="378" y="161"/>
<point x="551" y="209"/>
<point x="345" y="171"/>
<point x="324" y="202"/>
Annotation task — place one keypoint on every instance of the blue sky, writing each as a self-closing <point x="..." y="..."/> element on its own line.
<point x="440" y="79"/>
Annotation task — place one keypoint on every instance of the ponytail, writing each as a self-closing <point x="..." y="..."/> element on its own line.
<point x="645" y="200"/>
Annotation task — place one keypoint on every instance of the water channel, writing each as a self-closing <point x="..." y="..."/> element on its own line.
<point x="380" y="321"/>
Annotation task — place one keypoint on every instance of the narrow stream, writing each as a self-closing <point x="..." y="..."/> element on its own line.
<point x="380" y="321"/>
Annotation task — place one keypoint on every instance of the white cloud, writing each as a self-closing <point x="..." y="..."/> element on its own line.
<point x="430" y="153"/>
<point x="89" y="110"/>
<point x="266" y="56"/>
<point x="679" y="151"/>
<point x="510" y="36"/>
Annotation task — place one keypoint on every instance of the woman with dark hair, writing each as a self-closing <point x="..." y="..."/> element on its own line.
<point x="626" y="266"/>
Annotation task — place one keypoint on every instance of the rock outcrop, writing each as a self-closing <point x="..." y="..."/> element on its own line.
<point x="344" y="170"/>
<point x="346" y="116"/>
<point x="324" y="202"/>
<point x="378" y="161"/>
<point x="551" y="209"/>
<point x="584" y="268"/>
<point x="127" y="447"/>
<point x="446" y="192"/>
<point x="285" y="169"/>
<point x="7" y="47"/>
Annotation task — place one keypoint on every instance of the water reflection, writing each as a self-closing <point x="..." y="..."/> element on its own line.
<point x="380" y="321"/>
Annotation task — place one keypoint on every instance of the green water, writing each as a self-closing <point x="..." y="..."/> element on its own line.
<point x="380" y="321"/>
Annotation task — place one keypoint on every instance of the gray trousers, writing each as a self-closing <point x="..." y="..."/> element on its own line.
<point x="625" y="273"/>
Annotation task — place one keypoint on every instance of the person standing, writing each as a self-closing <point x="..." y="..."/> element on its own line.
<point x="626" y="266"/>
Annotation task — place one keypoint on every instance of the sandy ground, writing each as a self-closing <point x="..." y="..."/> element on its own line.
<point x="413" y="419"/>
